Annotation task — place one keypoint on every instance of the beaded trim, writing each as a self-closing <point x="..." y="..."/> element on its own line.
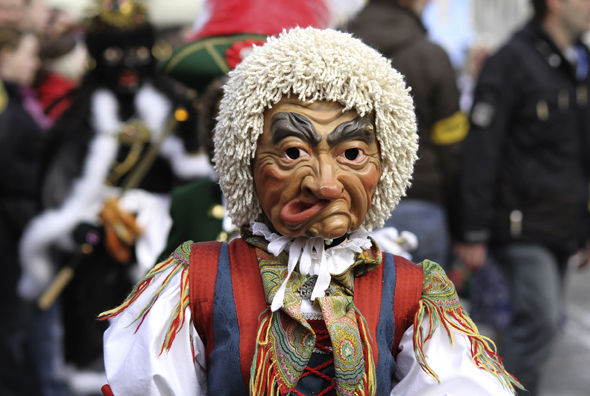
<point x="312" y="315"/>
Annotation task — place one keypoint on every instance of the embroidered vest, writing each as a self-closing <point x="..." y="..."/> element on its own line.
<point x="227" y="297"/>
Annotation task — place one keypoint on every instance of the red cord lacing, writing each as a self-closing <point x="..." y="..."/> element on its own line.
<point x="321" y="335"/>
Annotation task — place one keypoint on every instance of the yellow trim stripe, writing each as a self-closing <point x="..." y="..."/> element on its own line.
<point x="450" y="130"/>
<point x="217" y="58"/>
<point x="3" y="98"/>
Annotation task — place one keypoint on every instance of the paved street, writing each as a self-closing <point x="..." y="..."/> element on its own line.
<point x="567" y="372"/>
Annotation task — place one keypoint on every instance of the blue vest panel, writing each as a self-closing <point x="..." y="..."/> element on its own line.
<point x="225" y="374"/>
<point x="386" y="329"/>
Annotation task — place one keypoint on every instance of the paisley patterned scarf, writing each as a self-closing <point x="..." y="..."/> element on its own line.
<point x="285" y="340"/>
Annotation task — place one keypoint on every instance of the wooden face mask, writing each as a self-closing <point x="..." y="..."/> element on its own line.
<point x="316" y="168"/>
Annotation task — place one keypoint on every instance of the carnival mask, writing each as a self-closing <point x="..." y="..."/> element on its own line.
<point x="123" y="57"/>
<point x="316" y="168"/>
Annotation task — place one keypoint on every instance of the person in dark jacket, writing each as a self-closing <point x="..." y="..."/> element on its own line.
<point x="20" y="152"/>
<point x="524" y="187"/>
<point x="394" y="28"/>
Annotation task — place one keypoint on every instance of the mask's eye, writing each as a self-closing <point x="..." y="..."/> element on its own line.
<point x="352" y="154"/>
<point x="113" y="54"/>
<point x="293" y="153"/>
<point x="140" y="53"/>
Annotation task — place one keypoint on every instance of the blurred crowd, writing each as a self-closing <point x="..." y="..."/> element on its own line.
<point x="97" y="145"/>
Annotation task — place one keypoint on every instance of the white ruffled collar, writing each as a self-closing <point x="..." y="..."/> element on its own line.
<point x="313" y="257"/>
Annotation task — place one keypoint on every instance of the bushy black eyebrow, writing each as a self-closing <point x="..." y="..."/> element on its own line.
<point x="286" y="124"/>
<point x="361" y="128"/>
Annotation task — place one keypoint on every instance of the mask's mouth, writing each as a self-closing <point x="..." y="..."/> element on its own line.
<point x="128" y="78"/>
<point x="297" y="211"/>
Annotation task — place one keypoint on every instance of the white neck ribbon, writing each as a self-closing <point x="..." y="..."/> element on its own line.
<point x="313" y="258"/>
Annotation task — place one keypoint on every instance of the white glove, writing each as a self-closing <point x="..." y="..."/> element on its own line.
<point x="390" y="241"/>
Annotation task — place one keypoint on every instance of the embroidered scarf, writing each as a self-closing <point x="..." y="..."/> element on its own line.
<point x="285" y="340"/>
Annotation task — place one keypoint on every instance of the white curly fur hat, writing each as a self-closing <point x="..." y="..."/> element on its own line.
<point x="314" y="65"/>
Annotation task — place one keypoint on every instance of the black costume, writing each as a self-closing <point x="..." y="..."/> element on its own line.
<point x="121" y="109"/>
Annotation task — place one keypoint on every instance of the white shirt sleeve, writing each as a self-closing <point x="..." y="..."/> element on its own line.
<point x="453" y="365"/>
<point x="134" y="365"/>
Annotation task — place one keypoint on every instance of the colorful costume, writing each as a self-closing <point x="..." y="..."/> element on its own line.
<point x="315" y="306"/>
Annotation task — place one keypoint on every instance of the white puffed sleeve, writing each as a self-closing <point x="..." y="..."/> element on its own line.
<point x="135" y="361"/>
<point x="453" y="365"/>
<point x="452" y="349"/>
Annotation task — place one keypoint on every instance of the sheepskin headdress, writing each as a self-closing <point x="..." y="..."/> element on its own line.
<point x="314" y="65"/>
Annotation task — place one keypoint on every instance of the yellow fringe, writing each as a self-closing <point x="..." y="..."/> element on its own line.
<point x="370" y="371"/>
<point x="262" y="379"/>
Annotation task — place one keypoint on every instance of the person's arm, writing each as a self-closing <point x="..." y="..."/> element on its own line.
<point x="443" y="354"/>
<point x="449" y="124"/>
<point x="452" y="364"/>
<point x="143" y="356"/>
<point x="494" y="101"/>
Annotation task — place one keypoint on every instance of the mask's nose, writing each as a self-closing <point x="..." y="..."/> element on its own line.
<point x="323" y="182"/>
<point x="129" y="60"/>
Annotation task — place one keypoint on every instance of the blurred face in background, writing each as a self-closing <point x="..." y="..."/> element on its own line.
<point x="574" y="16"/>
<point x="124" y="59"/>
<point x="19" y="64"/>
<point x="11" y="12"/>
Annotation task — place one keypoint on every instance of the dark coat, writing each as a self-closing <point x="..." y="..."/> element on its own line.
<point x="527" y="151"/>
<point x="21" y="145"/>
<point x="20" y="151"/>
<point x="399" y="35"/>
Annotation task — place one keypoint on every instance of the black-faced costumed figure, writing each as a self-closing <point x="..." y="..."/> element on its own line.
<point x="113" y="157"/>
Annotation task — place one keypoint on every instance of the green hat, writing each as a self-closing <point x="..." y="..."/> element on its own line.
<point x="226" y="30"/>
<point x="197" y="63"/>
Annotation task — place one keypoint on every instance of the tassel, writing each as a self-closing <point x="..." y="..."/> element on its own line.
<point x="178" y="315"/>
<point x="178" y="262"/>
<point x="440" y="302"/>
<point x="483" y="356"/>
<point x="263" y="375"/>
<point x="370" y="377"/>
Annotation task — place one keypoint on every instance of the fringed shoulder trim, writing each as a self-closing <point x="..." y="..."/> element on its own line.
<point x="178" y="263"/>
<point x="440" y="304"/>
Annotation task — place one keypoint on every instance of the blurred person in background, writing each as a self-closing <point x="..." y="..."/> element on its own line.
<point x="60" y="35"/>
<point x="20" y="152"/>
<point x="394" y="28"/>
<point x="125" y="130"/>
<point x="524" y="183"/>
